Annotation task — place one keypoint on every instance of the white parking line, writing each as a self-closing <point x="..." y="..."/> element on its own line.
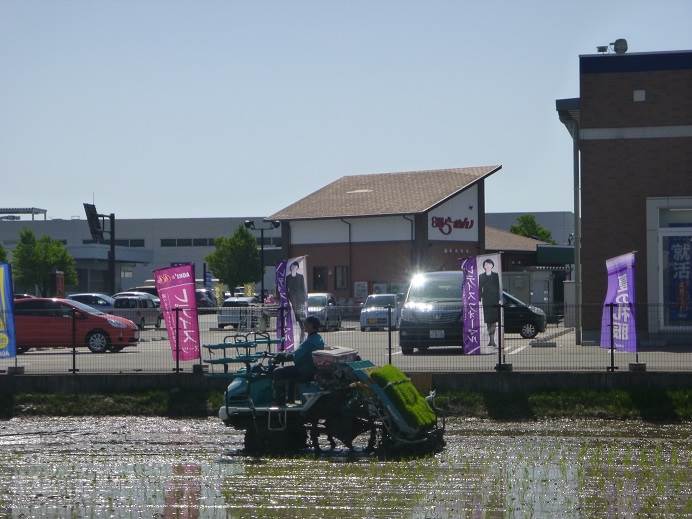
<point x="522" y="348"/>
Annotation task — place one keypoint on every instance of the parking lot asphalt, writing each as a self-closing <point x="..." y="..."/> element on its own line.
<point x="554" y="350"/>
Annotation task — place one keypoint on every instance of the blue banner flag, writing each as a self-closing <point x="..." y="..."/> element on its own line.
<point x="8" y="344"/>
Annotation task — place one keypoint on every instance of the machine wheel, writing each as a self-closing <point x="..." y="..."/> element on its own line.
<point x="158" y="322"/>
<point x="362" y="328"/>
<point x="528" y="331"/>
<point x="142" y="324"/>
<point x="407" y="350"/>
<point x="98" y="341"/>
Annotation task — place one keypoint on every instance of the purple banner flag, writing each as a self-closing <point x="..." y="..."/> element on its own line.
<point x="471" y="319"/>
<point x="176" y="289"/>
<point x="621" y="295"/>
<point x="293" y="299"/>
<point x="284" y="324"/>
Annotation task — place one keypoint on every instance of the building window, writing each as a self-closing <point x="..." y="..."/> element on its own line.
<point x="340" y="277"/>
<point x="319" y="278"/>
<point x="184" y="242"/>
<point x="137" y="243"/>
<point x="168" y="242"/>
<point x="200" y="242"/>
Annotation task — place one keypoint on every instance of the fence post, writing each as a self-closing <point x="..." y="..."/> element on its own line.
<point x="177" y="340"/>
<point x="389" y="332"/>
<point x="501" y="361"/>
<point x="612" y="367"/>
<point x="74" y="342"/>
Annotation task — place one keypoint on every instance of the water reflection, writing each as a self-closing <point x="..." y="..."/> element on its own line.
<point x="183" y="492"/>
<point x="151" y="467"/>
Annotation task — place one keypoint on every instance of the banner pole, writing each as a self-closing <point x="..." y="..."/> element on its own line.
<point x="177" y="341"/>
<point x="500" y="324"/>
<point x="74" y="345"/>
<point x="612" y="339"/>
<point x="15" y="345"/>
<point x="389" y="332"/>
<point x="499" y="343"/>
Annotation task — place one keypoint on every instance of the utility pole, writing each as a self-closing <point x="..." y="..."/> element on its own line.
<point x="96" y="227"/>
<point x="111" y="254"/>
<point x="249" y="224"/>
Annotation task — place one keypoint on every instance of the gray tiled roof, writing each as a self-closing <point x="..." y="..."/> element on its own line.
<point x="378" y="194"/>
<point x="499" y="240"/>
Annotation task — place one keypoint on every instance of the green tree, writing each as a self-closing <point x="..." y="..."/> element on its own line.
<point x="3" y="254"/>
<point x="235" y="260"/>
<point x="34" y="261"/>
<point x="528" y="226"/>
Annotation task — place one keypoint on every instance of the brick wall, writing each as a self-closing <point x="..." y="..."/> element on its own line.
<point x="606" y="99"/>
<point x="617" y="177"/>
<point x="384" y="262"/>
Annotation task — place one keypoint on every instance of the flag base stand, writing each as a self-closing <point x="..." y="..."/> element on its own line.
<point x="503" y="367"/>
<point x="637" y="366"/>
<point x="15" y="370"/>
<point x="200" y="369"/>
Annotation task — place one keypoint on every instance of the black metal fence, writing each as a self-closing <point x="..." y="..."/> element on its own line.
<point x="424" y="339"/>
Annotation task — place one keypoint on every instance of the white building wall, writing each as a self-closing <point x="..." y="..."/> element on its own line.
<point x="365" y="229"/>
<point x="462" y="208"/>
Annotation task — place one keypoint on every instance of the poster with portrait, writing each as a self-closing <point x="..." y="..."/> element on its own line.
<point x="481" y="294"/>
<point x="292" y="286"/>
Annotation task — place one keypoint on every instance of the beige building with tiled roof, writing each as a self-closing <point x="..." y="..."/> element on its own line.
<point x="381" y="228"/>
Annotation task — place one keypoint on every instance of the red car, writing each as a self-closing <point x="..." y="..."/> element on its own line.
<point x="41" y="323"/>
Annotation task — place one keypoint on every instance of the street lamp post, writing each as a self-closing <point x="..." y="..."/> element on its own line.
<point x="250" y="224"/>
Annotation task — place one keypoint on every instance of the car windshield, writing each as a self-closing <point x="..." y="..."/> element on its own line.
<point x="435" y="287"/>
<point x="85" y="308"/>
<point x="317" y="300"/>
<point x="380" y="301"/>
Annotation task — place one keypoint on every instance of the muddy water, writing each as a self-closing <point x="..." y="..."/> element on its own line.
<point x="155" y="467"/>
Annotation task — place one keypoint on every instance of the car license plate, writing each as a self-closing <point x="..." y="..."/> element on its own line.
<point x="372" y="321"/>
<point x="437" y="334"/>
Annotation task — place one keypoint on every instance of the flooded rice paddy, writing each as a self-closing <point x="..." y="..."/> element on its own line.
<point x="157" y="467"/>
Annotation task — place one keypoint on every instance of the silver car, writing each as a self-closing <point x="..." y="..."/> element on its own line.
<point x="95" y="300"/>
<point x="140" y="310"/>
<point x="239" y="312"/>
<point x="134" y="293"/>
<point x="323" y="306"/>
<point x="375" y="312"/>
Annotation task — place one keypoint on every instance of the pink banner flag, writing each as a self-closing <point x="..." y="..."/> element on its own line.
<point x="176" y="288"/>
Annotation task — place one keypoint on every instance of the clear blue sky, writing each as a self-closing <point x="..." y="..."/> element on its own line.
<point x="227" y="108"/>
